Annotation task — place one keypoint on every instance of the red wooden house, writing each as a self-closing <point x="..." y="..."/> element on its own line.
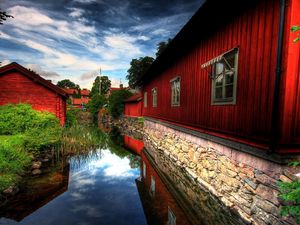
<point x="232" y="74"/>
<point x="20" y="85"/>
<point x="133" y="106"/>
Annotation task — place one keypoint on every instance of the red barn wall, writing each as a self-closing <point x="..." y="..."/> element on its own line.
<point x="255" y="32"/>
<point x="133" y="109"/>
<point x="16" y="88"/>
<point x="290" y="92"/>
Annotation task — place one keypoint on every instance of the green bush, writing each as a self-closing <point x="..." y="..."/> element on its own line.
<point x="16" y="119"/>
<point x="290" y="194"/>
<point x="116" y="102"/>
<point x="38" y="129"/>
<point x="13" y="159"/>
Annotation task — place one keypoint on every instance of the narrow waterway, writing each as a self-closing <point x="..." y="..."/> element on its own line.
<point x="117" y="184"/>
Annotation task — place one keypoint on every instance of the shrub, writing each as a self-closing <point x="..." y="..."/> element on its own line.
<point x="13" y="159"/>
<point x="116" y="102"/>
<point x="72" y="117"/>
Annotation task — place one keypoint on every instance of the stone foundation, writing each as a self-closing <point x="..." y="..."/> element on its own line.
<point x="245" y="184"/>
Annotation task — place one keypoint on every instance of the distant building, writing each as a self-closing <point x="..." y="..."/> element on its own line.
<point x="79" y="99"/>
<point x="133" y="106"/>
<point x="20" y="85"/>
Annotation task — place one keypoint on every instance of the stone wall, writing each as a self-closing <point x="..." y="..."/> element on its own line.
<point x="245" y="184"/>
<point x="132" y="126"/>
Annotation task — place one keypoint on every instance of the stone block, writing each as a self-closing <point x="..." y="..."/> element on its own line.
<point x="267" y="193"/>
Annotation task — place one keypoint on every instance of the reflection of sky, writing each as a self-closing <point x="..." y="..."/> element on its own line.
<point x="103" y="191"/>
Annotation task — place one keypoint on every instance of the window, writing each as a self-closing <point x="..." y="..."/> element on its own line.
<point x="144" y="169"/>
<point x="171" y="217"/>
<point x="175" y="91"/>
<point x="154" y="97"/>
<point x="145" y="99"/>
<point x="152" y="187"/>
<point x="224" y="82"/>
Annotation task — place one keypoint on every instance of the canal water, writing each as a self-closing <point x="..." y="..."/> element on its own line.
<point x="115" y="185"/>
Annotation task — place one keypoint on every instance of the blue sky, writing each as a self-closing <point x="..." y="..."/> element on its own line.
<point x="72" y="39"/>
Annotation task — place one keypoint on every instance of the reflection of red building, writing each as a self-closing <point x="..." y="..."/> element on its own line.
<point x="133" y="144"/>
<point x="159" y="205"/>
<point x="133" y="106"/>
<point x="20" y="85"/>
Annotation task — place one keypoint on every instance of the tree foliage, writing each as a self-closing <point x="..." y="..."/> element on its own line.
<point x="97" y="102"/>
<point x="116" y="102"/>
<point x="297" y="30"/>
<point x="105" y="85"/>
<point x="66" y="83"/>
<point x="161" y="46"/>
<point x="138" y="67"/>
<point x="4" y="16"/>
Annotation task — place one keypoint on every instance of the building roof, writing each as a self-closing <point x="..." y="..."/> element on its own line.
<point x="116" y="89"/>
<point x="31" y="75"/>
<point x="71" y="91"/>
<point x="210" y="17"/>
<point x="134" y="98"/>
<point x="85" y="92"/>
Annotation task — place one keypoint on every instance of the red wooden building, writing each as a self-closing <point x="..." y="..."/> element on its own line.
<point x="20" y="85"/>
<point x="133" y="106"/>
<point x="232" y="73"/>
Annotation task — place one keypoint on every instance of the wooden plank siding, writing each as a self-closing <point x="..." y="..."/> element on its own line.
<point x="255" y="33"/>
<point x="16" y="88"/>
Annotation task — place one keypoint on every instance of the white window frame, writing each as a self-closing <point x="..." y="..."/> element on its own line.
<point x="224" y="100"/>
<point x="175" y="91"/>
<point x="171" y="217"/>
<point x="145" y="99"/>
<point x="154" y="97"/>
<point x="144" y="170"/>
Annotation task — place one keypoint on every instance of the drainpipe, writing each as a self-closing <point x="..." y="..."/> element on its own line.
<point x="276" y="97"/>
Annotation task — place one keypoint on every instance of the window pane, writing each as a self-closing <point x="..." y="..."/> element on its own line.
<point x="229" y="91"/>
<point x="219" y="68"/>
<point x="218" y="93"/>
<point x="229" y="77"/>
<point x="219" y="80"/>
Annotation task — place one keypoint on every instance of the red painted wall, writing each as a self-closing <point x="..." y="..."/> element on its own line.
<point x="255" y="33"/>
<point x="162" y="197"/>
<point x="133" y="144"/>
<point x="133" y="109"/>
<point x="16" y="88"/>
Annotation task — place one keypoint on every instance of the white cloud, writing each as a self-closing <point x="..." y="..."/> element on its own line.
<point x="76" y="12"/>
<point x="29" y="16"/>
<point x="43" y="73"/>
<point x="86" y="1"/>
<point x="5" y="62"/>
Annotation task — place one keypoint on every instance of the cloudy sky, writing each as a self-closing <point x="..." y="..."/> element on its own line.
<point x="72" y="39"/>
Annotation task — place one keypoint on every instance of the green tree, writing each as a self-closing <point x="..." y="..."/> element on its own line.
<point x="161" y="46"/>
<point x="138" y="67"/>
<point x="4" y="16"/>
<point x="97" y="102"/>
<point x="105" y="85"/>
<point x="116" y="102"/>
<point x="66" y="83"/>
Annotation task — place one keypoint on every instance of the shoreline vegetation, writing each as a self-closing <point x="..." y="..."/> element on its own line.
<point x="27" y="134"/>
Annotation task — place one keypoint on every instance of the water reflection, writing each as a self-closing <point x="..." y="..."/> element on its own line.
<point x="99" y="188"/>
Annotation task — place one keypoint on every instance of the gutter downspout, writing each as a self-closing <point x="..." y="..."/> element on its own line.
<point x="278" y="71"/>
